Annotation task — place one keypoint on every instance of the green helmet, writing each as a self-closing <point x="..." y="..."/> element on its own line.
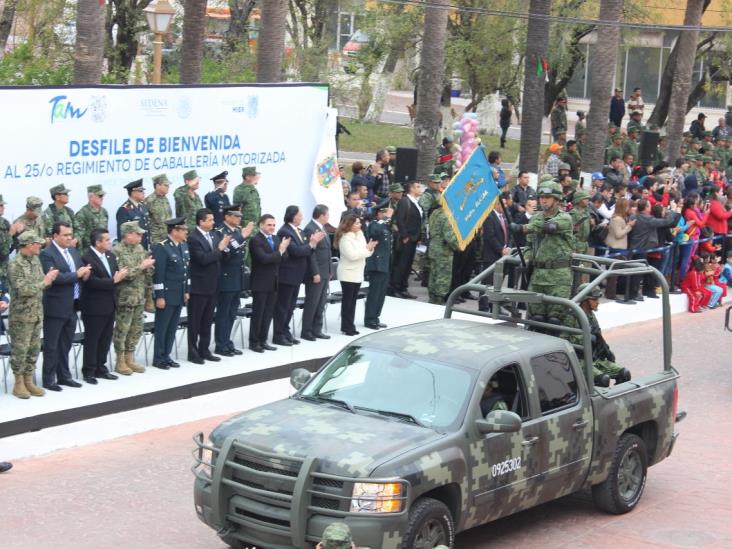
<point x="550" y="189"/>
<point x="595" y="293"/>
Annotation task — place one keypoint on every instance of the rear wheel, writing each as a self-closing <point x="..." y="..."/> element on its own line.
<point x="624" y="486"/>
<point x="430" y="525"/>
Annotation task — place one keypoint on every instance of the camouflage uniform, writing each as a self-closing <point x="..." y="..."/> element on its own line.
<point x="25" y="276"/>
<point x="159" y="211"/>
<point x="131" y="301"/>
<point x="36" y="225"/>
<point x="429" y="201"/>
<point x="337" y="535"/>
<point x="581" y="223"/>
<point x="186" y="205"/>
<point x="6" y="246"/>
<point x="614" y="150"/>
<point x="246" y="196"/>
<point x="87" y="219"/>
<point x="443" y="244"/>
<point x="53" y="215"/>
<point x="558" y="119"/>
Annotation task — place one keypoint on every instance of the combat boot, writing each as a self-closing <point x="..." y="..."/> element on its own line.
<point x="623" y="376"/>
<point x="19" y="389"/>
<point x="132" y="365"/>
<point x="602" y="380"/>
<point x="121" y="365"/>
<point x="33" y="389"/>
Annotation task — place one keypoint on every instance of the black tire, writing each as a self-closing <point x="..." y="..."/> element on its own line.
<point x="624" y="486"/>
<point x="430" y="524"/>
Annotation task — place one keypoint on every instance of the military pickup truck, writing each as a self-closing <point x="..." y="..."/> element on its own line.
<point x="389" y="435"/>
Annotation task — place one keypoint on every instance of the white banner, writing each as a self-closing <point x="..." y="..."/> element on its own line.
<point x="326" y="186"/>
<point x="113" y="135"/>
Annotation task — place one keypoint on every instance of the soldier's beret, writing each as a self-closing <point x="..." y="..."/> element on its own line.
<point x="29" y="237"/>
<point x="190" y="175"/>
<point x="95" y="189"/>
<point x="134" y="186"/>
<point x="58" y="189"/>
<point x="176" y="221"/>
<point x="131" y="227"/>
<point x="221" y="177"/>
<point x="33" y="203"/>
<point x="249" y="170"/>
<point x="396" y="188"/>
<point x="232" y="210"/>
<point x="337" y="535"/>
<point x="161" y="179"/>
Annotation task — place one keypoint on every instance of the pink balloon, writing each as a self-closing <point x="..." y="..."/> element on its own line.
<point x="470" y="135"/>
<point x="458" y="163"/>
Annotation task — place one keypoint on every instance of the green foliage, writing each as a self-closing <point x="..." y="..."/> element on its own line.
<point x="219" y="66"/>
<point x="22" y="67"/>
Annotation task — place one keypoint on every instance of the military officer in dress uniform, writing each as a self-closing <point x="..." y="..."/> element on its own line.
<point x="170" y="289"/>
<point x="231" y="280"/>
<point x="134" y="209"/>
<point x="378" y="265"/>
<point x="217" y="200"/>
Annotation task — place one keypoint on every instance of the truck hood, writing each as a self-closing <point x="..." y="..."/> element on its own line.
<point x="346" y="444"/>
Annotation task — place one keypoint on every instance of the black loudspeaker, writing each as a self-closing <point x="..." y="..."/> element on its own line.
<point x="406" y="165"/>
<point x="648" y="148"/>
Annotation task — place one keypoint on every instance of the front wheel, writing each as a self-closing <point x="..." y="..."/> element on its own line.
<point x="624" y="486"/>
<point x="430" y="524"/>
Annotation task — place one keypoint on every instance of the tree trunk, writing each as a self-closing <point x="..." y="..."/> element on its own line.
<point x="557" y="83"/>
<point x="382" y="86"/>
<point x="681" y="84"/>
<point x="537" y="42"/>
<point x="129" y="18"/>
<point x="6" y="23"/>
<point x="603" y="68"/>
<point x="271" y="45"/>
<point x="89" y="47"/>
<point x="236" y="34"/>
<point x="429" y="88"/>
<point x="194" y="33"/>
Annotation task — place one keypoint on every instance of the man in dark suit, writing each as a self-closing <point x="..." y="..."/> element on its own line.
<point x="293" y="269"/>
<point x="206" y="247"/>
<point x="377" y="265"/>
<point x="60" y="303"/>
<point x="98" y="305"/>
<point x="408" y="220"/>
<point x="317" y="278"/>
<point x="496" y="235"/>
<point x="231" y="281"/>
<point x="170" y="289"/>
<point x="267" y="251"/>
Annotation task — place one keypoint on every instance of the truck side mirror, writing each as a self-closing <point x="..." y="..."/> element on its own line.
<point x="299" y="377"/>
<point x="499" y="421"/>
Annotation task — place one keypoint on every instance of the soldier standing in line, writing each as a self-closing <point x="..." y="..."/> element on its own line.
<point x="550" y="246"/>
<point x="31" y="220"/>
<point x="187" y="201"/>
<point x="616" y="149"/>
<point x="134" y="209"/>
<point x="90" y="216"/>
<point x="378" y="264"/>
<point x="170" y="289"/>
<point x="247" y="198"/>
<point x="231" y="280"/>
<point x="7" y="233"/>
<point x="131" y="296"/>
<point x="429" y="202"/>
<point x="630" y="146"/>
<point x="443" y="245"/>
<point x="558" y="118"/>
<point x="59" y="211"/>
<point x="217" y="200"/>
<point x="27" y="283"/>
<point x="158" y="208"/>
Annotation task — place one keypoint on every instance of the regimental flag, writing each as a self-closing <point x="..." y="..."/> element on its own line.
<point x="326" y="184"/>
<point x="470" y="196"/>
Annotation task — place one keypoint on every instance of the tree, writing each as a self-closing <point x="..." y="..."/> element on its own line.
<point x="194" y="33"/>
<point x="603" y="68"/>
<point x="537" y="41"/>
<point x="128" y="19"/>
<point x="271" y="44"/>
<point x="429" y="86"/>
<point x="89" y="47"/>
<point x="681" y="83"/>
<point x="6" y="23"/>
<point x="236" y="34"/>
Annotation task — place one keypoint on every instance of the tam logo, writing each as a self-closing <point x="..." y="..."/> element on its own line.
<point x="61" y="108"/>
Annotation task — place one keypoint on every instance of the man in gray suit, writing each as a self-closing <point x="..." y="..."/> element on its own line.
<point x="317" y="278"/>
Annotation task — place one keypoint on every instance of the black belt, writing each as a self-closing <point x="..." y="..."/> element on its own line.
<point x="556" y="264"/>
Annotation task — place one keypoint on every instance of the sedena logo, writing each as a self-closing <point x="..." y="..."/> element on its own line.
<point x="62" y="108"/>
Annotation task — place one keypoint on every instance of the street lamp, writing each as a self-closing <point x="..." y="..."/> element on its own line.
<point x="159" y="16"/>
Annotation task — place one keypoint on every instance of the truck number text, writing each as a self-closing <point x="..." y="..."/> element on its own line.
<point x="513" y="464"/>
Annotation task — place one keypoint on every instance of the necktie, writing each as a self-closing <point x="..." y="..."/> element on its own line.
<point x="271" y="242"/>
<point x="72" y="268"/>
<point x="208" y="239"/>
<point x="105" y="262"/>
<point x="503" y="226"/>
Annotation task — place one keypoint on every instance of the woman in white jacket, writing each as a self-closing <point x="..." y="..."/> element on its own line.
<point x="354" y="250"/>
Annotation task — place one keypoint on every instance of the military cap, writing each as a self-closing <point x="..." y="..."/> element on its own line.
<point x="580" y="195"/>
<point x="707" y="133"/>
<point x="135" y="185"/>
<point x="58" y="189"/>
<point x="635" y="111"/>
<point x="176" y="221"/>
<point x="396" y="188"/>
<point x="581" y="114"/>
<point x="595" y="293"/>
<point x="221" y="177"/>
<point x="701" y="115"/>
<point x="444" y="175"/>
<point x="131" y="227"/>
<point x="161" y="179"/>
<point x="573" y="184"/>
<point x="95" y="189"/>
<point x="337" y="536"/>
<point x="611" y="125"/>
<point x="391" y="149"/>
<point x="618" y="89"/>
<point x="618" y="136"/>
<point x="546" y="177"/>
<point x="564" y="166"/>
<point x="707" y="159"/>
<point x="690" y="157"/>
<point x="698" y="157"/>
<point x="2" y="202"/>
<point x="384" y="205"/>
<point x="249" y="170"/>
<point x="190" y="175"/>
<point x="633" y="129"/>
<point x="435" y="178"/>
<point x="232" y="210"/>
<point x="33" y="203"/>
<point x="29" y="237"/>
<point x="550" y="189"/>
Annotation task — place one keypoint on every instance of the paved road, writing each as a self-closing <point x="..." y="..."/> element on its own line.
<point x="136" y="491"/>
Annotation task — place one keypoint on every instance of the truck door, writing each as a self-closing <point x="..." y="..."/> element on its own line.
<point x="566" y="423"/>
<point x="504" y="465"/>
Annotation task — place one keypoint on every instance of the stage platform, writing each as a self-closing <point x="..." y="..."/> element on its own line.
<point x="160" y="398"/>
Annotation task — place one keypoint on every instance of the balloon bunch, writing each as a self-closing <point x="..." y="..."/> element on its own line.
<point x="466" y="130"/>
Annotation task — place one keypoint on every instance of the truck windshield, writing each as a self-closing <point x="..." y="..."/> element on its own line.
<point x="400" y="387"/>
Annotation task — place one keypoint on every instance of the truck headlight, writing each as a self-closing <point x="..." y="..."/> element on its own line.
<point x="369" y="497"/>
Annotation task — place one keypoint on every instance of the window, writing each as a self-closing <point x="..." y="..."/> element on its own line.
<point x="555" y="381"/>
<point x="506" y="385"/>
